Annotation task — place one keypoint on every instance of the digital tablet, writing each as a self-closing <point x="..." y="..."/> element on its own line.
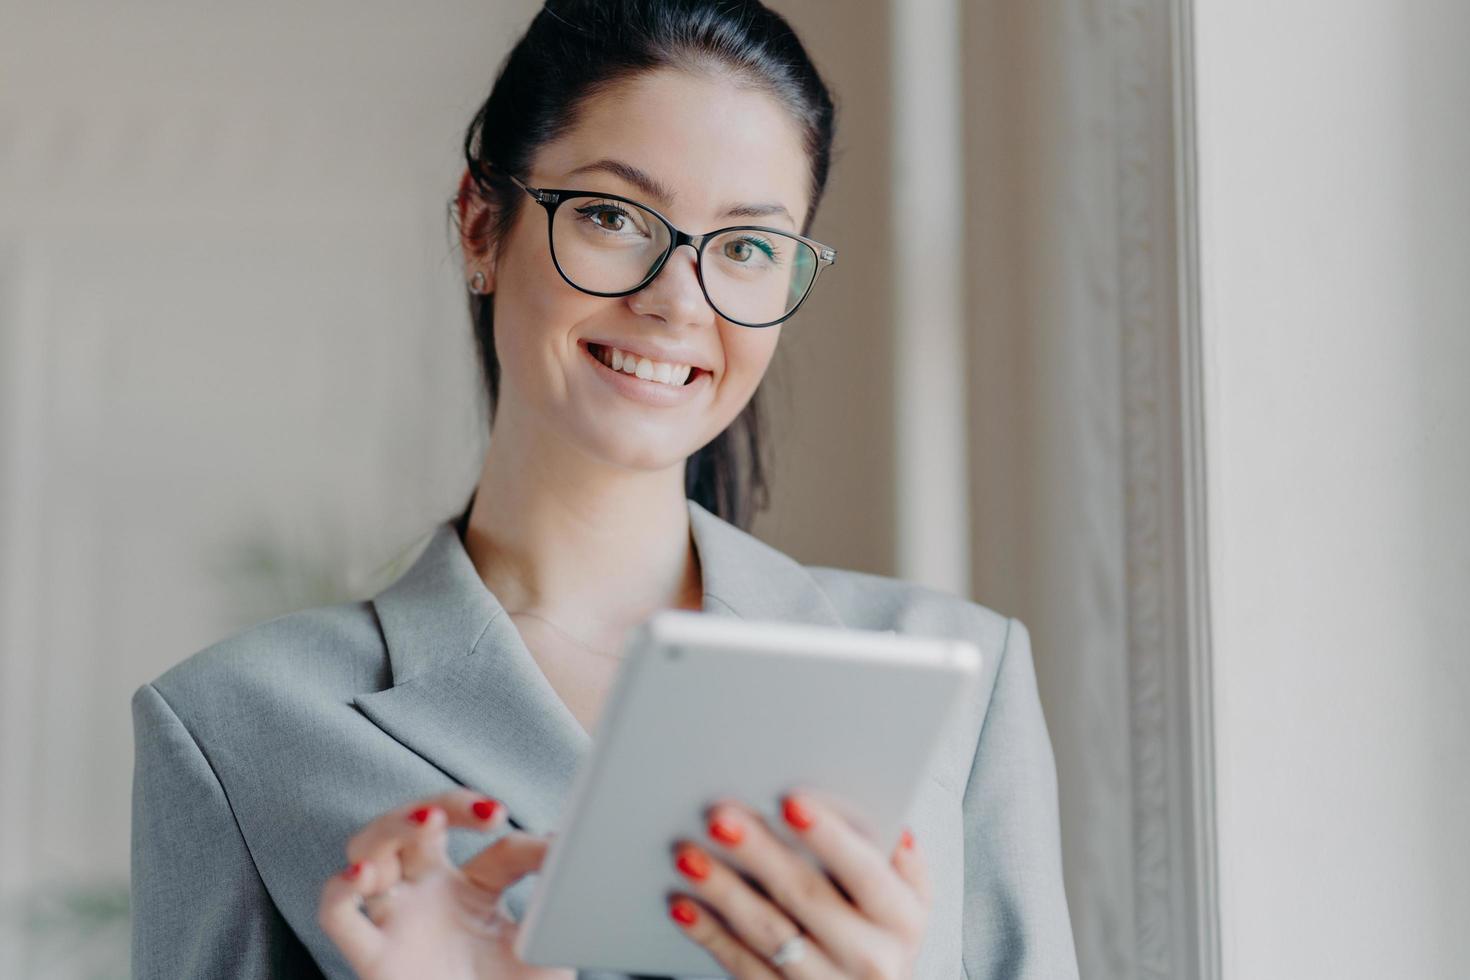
<point x="705" y="707"/>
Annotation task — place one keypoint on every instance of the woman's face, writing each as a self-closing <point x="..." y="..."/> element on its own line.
<point x="713" y="146"/>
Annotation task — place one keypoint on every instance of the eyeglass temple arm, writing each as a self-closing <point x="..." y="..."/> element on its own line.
<point x="538" y="194"/>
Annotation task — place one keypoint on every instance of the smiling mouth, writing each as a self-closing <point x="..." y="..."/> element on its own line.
<point x="596" y="351"/>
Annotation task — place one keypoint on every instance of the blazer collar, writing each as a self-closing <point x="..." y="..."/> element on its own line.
<point x="468" y="696"/>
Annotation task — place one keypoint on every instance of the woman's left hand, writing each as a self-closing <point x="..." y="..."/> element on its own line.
<point x="872" y="931"/>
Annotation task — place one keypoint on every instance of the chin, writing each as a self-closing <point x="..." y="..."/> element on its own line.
<point x="657" y="451"/>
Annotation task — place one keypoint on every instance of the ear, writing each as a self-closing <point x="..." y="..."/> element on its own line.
<point x="473" y="213"/>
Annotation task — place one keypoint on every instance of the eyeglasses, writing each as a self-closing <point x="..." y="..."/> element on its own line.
<point x="609" y="245"/>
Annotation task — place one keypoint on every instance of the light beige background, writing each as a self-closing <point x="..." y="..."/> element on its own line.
<point x="236" y="379"/>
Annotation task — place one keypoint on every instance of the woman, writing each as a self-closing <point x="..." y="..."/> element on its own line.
<point x="295" y="783"/>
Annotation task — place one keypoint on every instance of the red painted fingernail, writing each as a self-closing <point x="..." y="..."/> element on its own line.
<point x="906" y="840"/>
<point x="421" y="815"/>
<point x="683" y="911"/>
<point x="726" y="831"/>
<point x="796" y="814"/>
<point x="694" y="864"/>
<point x="485" y="809"/>
<point x="352" y="871"/>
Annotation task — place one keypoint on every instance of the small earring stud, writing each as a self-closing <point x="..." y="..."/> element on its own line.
<point x="477" y="283"/>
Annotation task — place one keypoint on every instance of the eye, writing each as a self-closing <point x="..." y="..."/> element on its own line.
<point x="609" y="217"/>
<point x="741" y="249"/>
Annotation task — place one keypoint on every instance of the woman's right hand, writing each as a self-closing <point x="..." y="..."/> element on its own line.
<point x="403" y="909"/>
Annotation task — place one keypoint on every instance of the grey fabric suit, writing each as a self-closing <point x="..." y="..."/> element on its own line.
<point x="259" y="756"/>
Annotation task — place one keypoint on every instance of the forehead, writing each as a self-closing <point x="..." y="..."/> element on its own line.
<point x="708" y="140"/>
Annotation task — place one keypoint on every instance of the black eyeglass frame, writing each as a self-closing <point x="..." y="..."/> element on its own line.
<point x="552" y="198"/>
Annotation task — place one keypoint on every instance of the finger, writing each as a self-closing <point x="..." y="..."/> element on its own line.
<point x="384" y="846"/>
<point x="414" y="833"/>
<point x="462" y="808"/>
<point x="749" y="915"/>
<point x="700" y="925"/>
<point x="741" y="837"/>
<point x="913" y="867"/>
<point x="425" y="848"/>
<point x="857" y="864"/>
<point x="342" y="920"/>
<point x="498" y="866"/>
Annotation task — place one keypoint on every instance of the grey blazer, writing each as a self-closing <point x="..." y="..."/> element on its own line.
<point x="259" y="756"/>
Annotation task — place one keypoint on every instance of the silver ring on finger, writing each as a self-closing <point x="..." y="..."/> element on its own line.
<point x="791" y="951"/>
<point x="372" y="905"/>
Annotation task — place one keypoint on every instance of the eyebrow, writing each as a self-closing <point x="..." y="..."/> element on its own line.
<point x="665" y="196"/>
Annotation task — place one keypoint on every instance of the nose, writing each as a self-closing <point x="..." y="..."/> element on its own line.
<point x="674" y="295"/>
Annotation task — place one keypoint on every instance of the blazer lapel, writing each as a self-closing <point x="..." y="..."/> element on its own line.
<point x="468" y="696"/>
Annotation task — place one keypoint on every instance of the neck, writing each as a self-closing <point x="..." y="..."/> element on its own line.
<point x="593" y="547"/>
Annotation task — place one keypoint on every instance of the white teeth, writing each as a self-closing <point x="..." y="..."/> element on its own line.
<point x="643" y="367"/>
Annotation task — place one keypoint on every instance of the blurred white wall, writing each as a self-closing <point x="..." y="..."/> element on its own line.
<point x="1335" y="216"/>
<point x="235" y="372"/>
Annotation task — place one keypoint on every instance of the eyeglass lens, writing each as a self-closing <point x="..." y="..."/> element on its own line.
<point x="611" y="246"/>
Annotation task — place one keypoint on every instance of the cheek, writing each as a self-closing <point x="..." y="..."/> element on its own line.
<point x="532" y="307"/>
<point x="748" y="352"/>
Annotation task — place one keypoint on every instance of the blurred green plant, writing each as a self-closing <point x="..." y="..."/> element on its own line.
<point x="76" y="929"/>
<point x="269" y="574"/>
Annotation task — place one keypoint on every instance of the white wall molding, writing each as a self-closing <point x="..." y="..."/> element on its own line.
<point x="1176" y="908"/>
<point x="1086" y="429"/>
<point x="929" y="316"/>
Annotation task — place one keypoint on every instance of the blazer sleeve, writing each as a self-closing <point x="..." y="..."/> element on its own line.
<point x="199" y="906"/>
<point x="1016" y="922"/>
